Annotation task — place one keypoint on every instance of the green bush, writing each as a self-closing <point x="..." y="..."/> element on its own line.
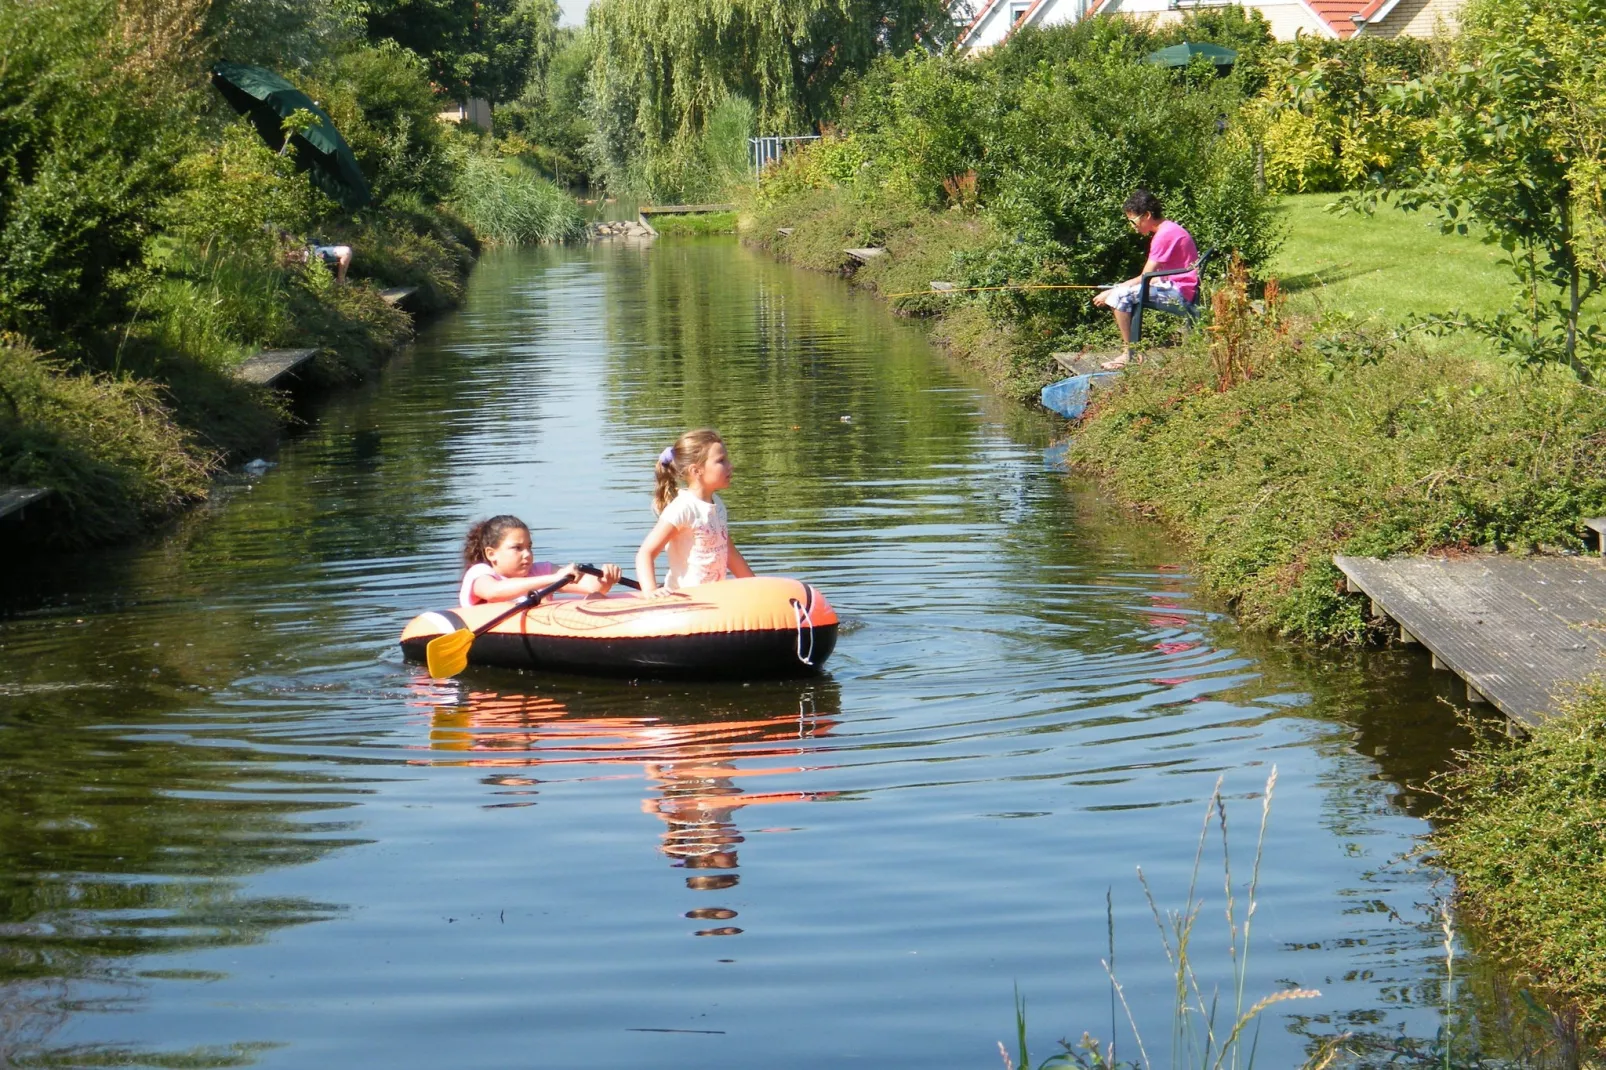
<point x="508" y="203"/>
<point x="1524" y="829"/>
<point x="1327" y="114"/>
<point x="1398" y="451"/>
<point x="85" y="158"/>
<point x="108" y="448"/>
<point x="383" y="104"/>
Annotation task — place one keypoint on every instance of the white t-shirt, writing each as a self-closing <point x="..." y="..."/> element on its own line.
<point x="701" y="544"/>
<point x="465" y="594"/>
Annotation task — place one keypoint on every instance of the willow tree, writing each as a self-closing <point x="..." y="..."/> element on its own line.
<point x="664" y="66"/>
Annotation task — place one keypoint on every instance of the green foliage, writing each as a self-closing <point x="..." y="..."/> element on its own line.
<point x="1400" y="451"/>
<point x="1524" y="829"/>
<point x="549" y="120"/>
<point x="693" y="225"/>
<point x="107" y="447"/>
<point x="1515" y="147"/>
<point x="1047" y="147"/>
<point x="383" y="104"/>
<point x="509" y="203"/>
<point x="663" y="67"/>
<point x="1328" y="114"/>
<point x="86" y="145"/>
<point x="474" y="48"/>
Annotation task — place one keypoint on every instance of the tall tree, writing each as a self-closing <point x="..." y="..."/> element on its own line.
<point x="674" y="61"/>
<point x="475" y="48"/>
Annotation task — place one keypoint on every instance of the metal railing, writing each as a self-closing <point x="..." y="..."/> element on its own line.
<point x="763" y="151"/>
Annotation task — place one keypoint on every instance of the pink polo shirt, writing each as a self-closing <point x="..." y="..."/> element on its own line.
<point x="1172" y="247"/>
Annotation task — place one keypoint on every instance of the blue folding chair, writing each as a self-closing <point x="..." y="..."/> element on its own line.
<point x="1191" y="308"/>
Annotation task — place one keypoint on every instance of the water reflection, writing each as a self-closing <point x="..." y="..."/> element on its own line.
<point x="701" y="769"/>
<point x="231" y="816"/>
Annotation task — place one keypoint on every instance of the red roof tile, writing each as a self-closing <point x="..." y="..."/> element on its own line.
<point x="1337" y="13"/>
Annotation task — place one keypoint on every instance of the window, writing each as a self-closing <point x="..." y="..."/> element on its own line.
<point x="1017" y="10"/>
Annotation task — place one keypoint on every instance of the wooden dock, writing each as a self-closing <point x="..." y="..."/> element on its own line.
<point x="864" y="256"/>
<point x="269" y="366"/>
<point x="684" y="209"/>
<point x="13" y="500"/>
<point x="1517" y="630"/>
<point x="397" y="294"/>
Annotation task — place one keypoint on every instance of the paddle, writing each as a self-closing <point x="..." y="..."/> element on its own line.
<point x="592" y="570"/>
<point x="447" y="655"/>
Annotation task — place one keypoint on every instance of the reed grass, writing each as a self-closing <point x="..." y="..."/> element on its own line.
<point x="507" y="202"/>
<point x="1212" y="1027"/>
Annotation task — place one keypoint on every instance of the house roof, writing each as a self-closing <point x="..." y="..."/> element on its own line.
<point x="1341" y="15"/>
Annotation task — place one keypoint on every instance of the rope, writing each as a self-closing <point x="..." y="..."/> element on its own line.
<point x="802" y="619"/>
<point x="1011" y="286"/>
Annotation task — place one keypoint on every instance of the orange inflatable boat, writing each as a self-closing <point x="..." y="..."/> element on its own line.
<point x="763" y="627"/>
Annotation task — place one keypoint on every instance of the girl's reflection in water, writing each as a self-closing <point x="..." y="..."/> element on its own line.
<point x="699" y="765"/>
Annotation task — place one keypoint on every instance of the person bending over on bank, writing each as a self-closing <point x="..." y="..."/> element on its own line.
<point x="1170" y="247"/>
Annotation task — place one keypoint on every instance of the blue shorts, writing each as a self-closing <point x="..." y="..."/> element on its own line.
<point x="1163" y="296"/>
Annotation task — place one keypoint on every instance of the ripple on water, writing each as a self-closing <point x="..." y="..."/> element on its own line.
<point x="240" y="821"/>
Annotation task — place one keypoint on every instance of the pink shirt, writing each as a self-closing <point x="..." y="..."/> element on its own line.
<point x="1172" y="247"/>
<point x="465" y="594"/>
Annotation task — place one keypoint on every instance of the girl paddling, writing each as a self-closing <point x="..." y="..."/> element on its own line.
<point x="500" y="566"/>
<point x="691" y="524"/>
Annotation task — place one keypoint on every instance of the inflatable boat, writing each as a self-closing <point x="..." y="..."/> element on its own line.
<point x="762" y="627"/>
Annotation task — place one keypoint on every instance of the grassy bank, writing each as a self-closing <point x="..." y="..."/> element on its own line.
<point x="693" y="225"/>
<point x="1525" y="833"/>
<point x="1389" y="267"/>
<point x="155" y="240"/>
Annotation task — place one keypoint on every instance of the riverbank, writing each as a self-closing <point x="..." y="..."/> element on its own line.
<point x="1404" y="447"/>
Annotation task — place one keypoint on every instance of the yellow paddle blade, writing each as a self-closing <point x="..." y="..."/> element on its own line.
<point x="447" y="655"/>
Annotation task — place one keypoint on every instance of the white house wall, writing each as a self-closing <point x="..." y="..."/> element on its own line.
<point x="1286" y="20"/>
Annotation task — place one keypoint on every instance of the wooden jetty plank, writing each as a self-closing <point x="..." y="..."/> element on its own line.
<point x="270" y="365"/>
<point x="1518" y="630"/>
<point x="397" y="294"/>
<point x="684" y="209"/>
<point x="785" y="232"/>
<point x="16" y="499"/>
<point x="864" y="256"/>
<point x="1084" y="363"/>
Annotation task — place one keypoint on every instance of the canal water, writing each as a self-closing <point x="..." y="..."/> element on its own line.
<point x="237" y="829"/>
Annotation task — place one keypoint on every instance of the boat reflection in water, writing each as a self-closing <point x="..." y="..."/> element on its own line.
<point x="699" y="772"/>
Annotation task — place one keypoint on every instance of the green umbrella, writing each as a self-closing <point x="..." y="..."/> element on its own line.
<point x="266" y="99"/>
<point x="1183" y="54"/>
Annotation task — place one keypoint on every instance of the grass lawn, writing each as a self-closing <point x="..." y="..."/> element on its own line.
<point x="1393" y="266"/>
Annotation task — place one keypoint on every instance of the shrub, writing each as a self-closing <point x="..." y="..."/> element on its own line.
<point x="1399" y="451"/>
<point x="85" y="158"/>
<point x="383" y="104"/>
<point x="108" y="448"/>
<point x="507" y="202"/>
<point x="1524" y="829"/>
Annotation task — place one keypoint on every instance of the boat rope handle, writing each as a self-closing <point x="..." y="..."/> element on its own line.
<point x="802" y="619"/>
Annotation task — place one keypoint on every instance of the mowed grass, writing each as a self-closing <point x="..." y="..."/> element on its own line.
<point x="1393" y="266"/>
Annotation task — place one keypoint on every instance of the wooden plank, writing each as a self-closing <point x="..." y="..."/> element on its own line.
<point x="785" y="232"/>
<point x="1597" y="524"/>
<point x="1085" y="363"/>
<point x="942" y="287"/>
<point x="684" y="209"/>
<point x="397" y="294"/>
<point x="864" y="256"/>
<point x="16" y="499"/>
<point x="1518" y="630"/>
<point x="271" y="365"/>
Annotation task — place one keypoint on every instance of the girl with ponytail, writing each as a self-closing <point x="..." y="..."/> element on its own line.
<point x="691" y="521"/>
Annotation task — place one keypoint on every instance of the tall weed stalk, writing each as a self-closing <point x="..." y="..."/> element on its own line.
<point x="1211" y="1028"/>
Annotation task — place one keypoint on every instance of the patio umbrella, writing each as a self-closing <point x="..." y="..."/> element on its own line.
<point x="266" y="99"/>
<point x="1181" y="55"/>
